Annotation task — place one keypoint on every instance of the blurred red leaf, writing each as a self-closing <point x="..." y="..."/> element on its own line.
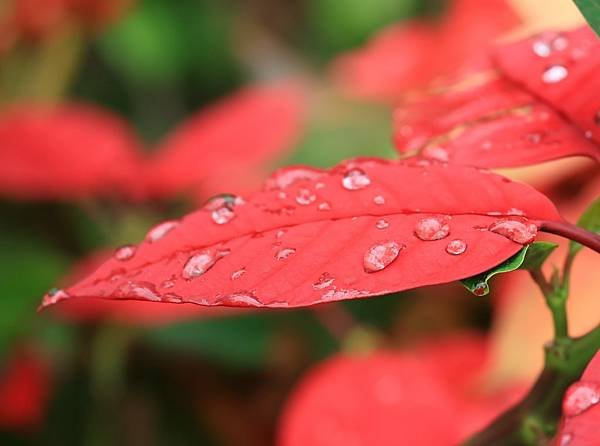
<point x="24" y="390"/>
<point x="69" y="151"/>
<point x="409" y="55"/>
<point x="124" y="312"/>
<point x="581" y="409"/>
<point x="543" y="104"/>
<point x="403" y="398"/>
<point x="366" y="227"/>
<point x="218" y="146"/>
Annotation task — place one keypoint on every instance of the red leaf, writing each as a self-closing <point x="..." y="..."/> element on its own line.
<point x="403" y="398"/>
<point x="409" y="55"/>
<point x="217" y="146"/>
<point x="345" y="233"/>
<point x="125" y="312"/>
<point x="65" y="152"/>
<point x="581" y="409"/>
<point x="24" y="390"/>
<point x="488" y="120"/>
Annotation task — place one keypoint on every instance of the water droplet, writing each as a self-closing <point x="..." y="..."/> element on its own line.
<point x="125" y="252"/>
<point x="324" y="206"/>
<point x="325" y="280"/>
<point x="379" y="199"/>
<point x="144" y="290"/>
<point x="534" y="138"/>
<point x="565" y="439"/>
<point x="172" y="298"/>
<point x="169" y="283"/>
<point x="221" y="207"/>
<point x="481" y="289"/>
<point x="355" y="179"/>
<point x="515" y="211"/>
<point x="319" y="185"/>
<point x="519" y="230"/>
<point x="201" y="262"/>
<point x="554" y="74"/>
<point x="241" y="299"/>
<point x="433" y="228"/>
<point x="380" y="255"/>
<point x="580" y="397"/>
<point x="382" y="223"/>
<point x="284" y="253"/>
<point x="560" y="43"/>
<point x="305" y="196"/>
<point x="541" y="48"/>
<point x="237" y="274"/>
<point x="456" y="247"/>
<point x="285" y="177"/>
<point x="280" y="233"/>
<point x="436" y="153"/>
<point x="54" y="296"/>
<point x="160" y="230"/>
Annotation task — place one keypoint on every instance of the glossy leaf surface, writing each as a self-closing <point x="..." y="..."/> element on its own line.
<point x="524" y="106"/>
<point x="423" y="397"/>
<point x="581" y="409"/>
<point x="366" y="227"/>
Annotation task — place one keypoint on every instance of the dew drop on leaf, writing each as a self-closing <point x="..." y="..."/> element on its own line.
<point x="432" y="228"/>
<point x="240" y="299"/>
<point x="125" y="252"/>
<point x="201" y="262"/>
<point x="324" y="206"/>
<point x="305" y="196"/>
<point x="325" y="280"/>
<point x="221" y="207"/>
<point x="436" y="153"/>
<point x="379" y="200"/>
<point x="144" y="290"/>
<point x="565" y="439"/>
<point x="554" y="74"/>
<point x="160" y="230"/>
<point x="480" y="289"/>
<point x="237" y="274"/>
<point x="355" y="179"/>
<point x="456" y="247"/>
<point x="580" y="397"/>
<point x="54" y="296"/>
<point x="169" y="283"/>
<point x="172" y="298"/>
<point x="541" y="48"/>
<point x="519" y="230"/>
<point x="382" y="223"/>
<point x="380" y="255"/>
<point x="284" y="253"/>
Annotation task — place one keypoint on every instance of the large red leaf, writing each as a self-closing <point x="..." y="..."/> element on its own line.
<point x="316" y="236"/>
<point x="536" y="108"/>
<point x="227" y="140"/>
<point x="125" y="312"/>
<point x="409" y="55"/>
<point x="425" y="397"/>
<point x="581" y="409"/>
<point x="65" y="152"/>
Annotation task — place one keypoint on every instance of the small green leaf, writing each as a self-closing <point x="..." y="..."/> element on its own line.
<point x="590" y="220"/>
<point x="478" y="285"/>
<point x="591" y="11"/>
<point x="537" y="254"/>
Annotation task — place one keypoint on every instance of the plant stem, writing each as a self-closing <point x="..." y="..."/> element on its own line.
<point x="556" y="299"/>
<point x="533" y="420"/>
<point x="572" y="232"/>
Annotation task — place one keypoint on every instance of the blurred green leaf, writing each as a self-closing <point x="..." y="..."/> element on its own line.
<point x="591" y="11"/>
<point x="590" y="220"/>
<point x="537" y="254"/>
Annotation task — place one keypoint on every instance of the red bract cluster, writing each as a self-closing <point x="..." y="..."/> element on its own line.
<point x="24" y="390"/>
<point x="74" y="151"/>
<point x="431" y="395"/>
<point x="527" y="106"/>
<point x="581" y="409"/>
<point x="366" y="227"/>
<point x="409" y="55"/>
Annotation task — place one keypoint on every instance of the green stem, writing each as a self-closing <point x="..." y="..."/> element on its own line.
<point x="533" y="421"/>
<point x="556" y="300"/>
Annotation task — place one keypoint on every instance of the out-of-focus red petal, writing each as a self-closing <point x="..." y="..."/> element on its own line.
<point x="63" y="152"/>
<point x="581" y="409"/>
<point x="364" y="228"/>
<point x="410" y="55"/>
<point x="400" y="398"/>
<point x="223" y="142"/>
<point x="24" y="390"/>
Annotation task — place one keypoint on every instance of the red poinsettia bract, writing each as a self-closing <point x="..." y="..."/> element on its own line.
<point x="409" y="55"/>
<point x="24" y="390"/>
<point x="534" y="101"/>
<point x="581" y="409"/>
<point x="74" y="151"/>
<point x="432" y="395"/>
<point x="366" y="227"/>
